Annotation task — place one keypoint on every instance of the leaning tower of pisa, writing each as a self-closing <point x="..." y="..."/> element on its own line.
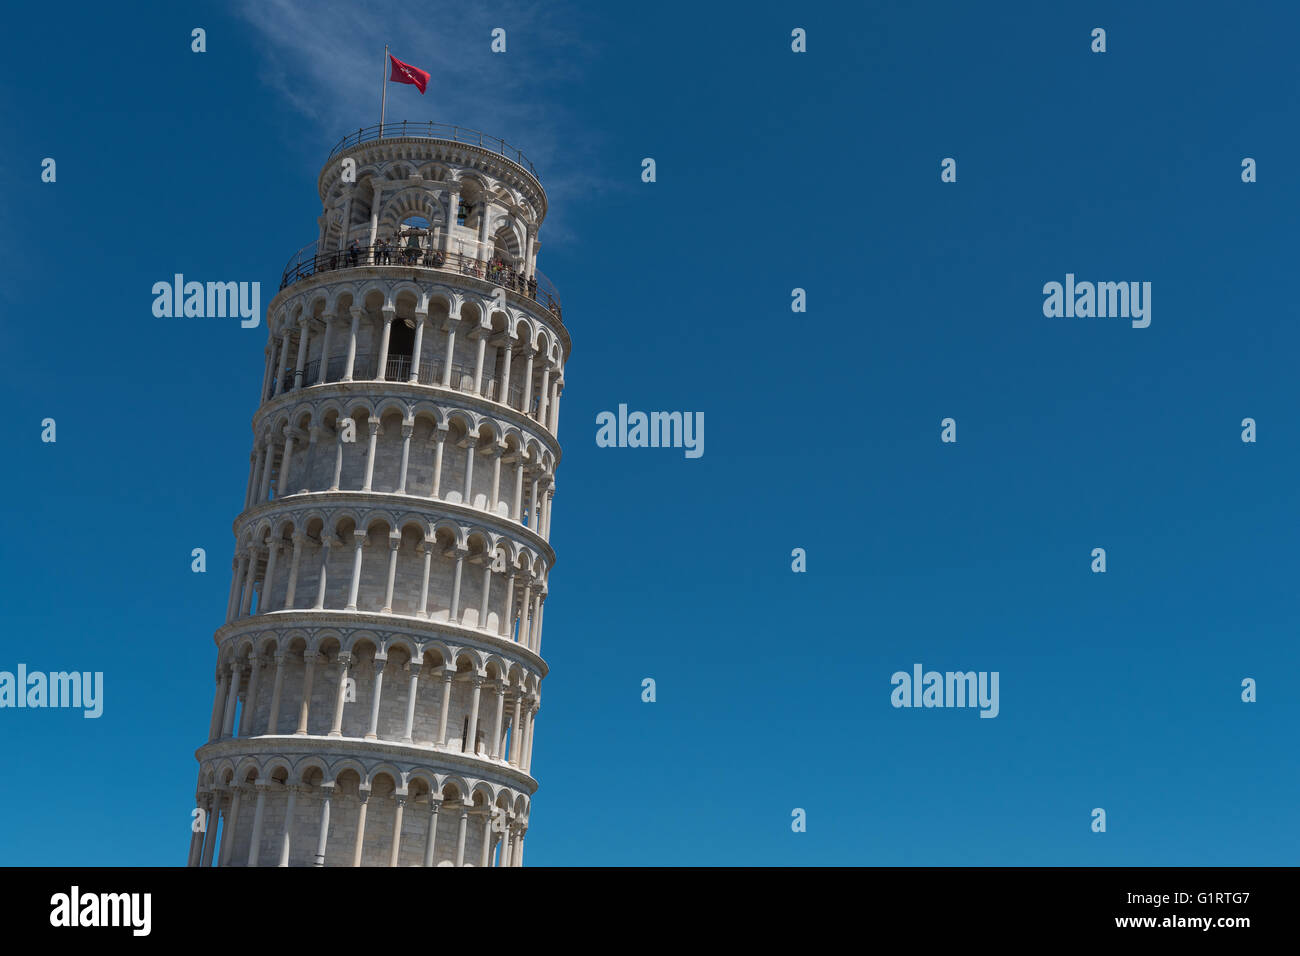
<point x="378" y="673"/>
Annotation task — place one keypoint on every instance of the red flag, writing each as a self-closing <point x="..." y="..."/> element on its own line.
<point x="405" y="73"/>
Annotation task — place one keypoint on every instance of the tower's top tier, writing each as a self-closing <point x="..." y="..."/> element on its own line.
<point x="434" y="151"/>
<point x="414" y="196"/>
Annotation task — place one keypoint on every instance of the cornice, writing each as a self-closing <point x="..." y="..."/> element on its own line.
<point x="386" y="499"/>
<point x="374" y="750"/>
<point x="347" y="622"/>
<point x="382" y="388"/>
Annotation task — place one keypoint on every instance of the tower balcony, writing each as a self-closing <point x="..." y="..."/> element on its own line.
<point x="406" y="129"/>
<point x="398" y="369"/>
<point x="418" y="255"/>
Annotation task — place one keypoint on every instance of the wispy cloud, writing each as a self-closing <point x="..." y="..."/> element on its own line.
<point x="325" y="59"/>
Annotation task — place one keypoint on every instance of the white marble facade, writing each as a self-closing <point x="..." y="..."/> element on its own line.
<point x="379" y="670"/>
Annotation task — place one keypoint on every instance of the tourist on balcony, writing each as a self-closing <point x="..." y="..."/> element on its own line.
<point x="385" y="253"/>
<point x="353" y="252"/>
<point x="532" y="286"/>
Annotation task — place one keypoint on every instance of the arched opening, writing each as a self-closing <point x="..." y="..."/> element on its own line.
<point x="503" y="250"/>
<point x="503" y="264"/>
<point x="401" y="346"/>
<point x="414" y="241"/>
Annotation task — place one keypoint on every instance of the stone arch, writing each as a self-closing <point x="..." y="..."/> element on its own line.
<point x="406" y="287"/>
<point x="421" y="776"/>
<point x="349" y="775"/>
<point x="507" y="243"/>
<point x="247" y="765"/>
<point x="486" y="791"/>
<point x="437" y="648"/>
<point x="414" y="201"/>
<point x="456" y="782"/>
<point x="363" y="638"/>
<point x="275" y="764"/>
<point x="389" y="771"/>
<point x="496" y="667"/>
<point x="452" y="527"/>
<point x="470" y="656"/>
<point x="406" y="643"/>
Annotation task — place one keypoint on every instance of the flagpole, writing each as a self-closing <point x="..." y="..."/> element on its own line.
<point x="383" y="102"/>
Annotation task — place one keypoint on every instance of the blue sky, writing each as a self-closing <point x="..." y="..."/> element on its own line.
<point x="775" y="171"/>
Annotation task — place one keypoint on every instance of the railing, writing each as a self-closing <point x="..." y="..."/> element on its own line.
<point x="363" y="369"/>
<point x="461" y="379"/>
<point x="338" y="365"/>
<point x="431" y="130"/>
<point x="398" y="369"/>
<point x="309" y="263"/>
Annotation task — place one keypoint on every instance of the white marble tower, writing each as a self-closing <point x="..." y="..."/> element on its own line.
<point x="379" y="670"/>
